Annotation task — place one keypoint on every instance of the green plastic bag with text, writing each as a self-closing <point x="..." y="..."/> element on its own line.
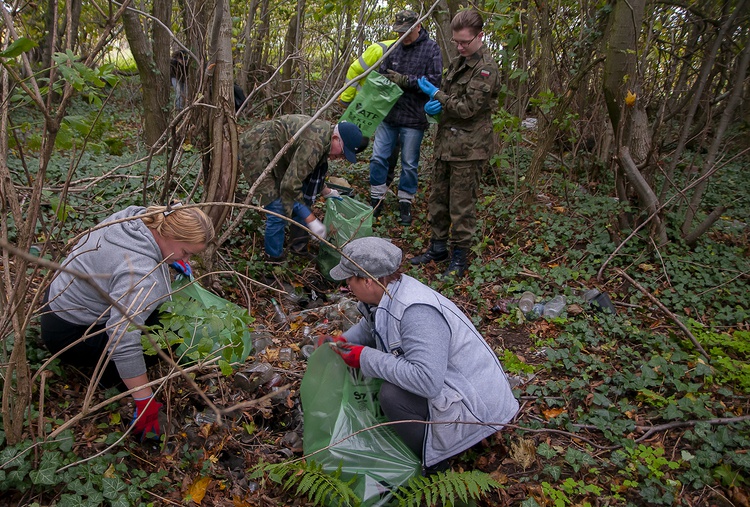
<point x="345" y="220"/>
<point x="338" y="401"/>
<point x="372" y="103"/>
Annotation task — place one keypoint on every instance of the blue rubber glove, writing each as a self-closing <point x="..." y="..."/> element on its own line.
<point x="427" y="87"/>
<point x="183" y="267"/>
<point x="433" y="107"/>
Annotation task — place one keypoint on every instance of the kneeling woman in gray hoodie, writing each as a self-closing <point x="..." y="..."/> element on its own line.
<point x="435" y="365"/>
<point x="126" y="258"/>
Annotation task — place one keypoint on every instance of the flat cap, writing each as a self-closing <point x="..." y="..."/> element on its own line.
<point x="378" y="256"/>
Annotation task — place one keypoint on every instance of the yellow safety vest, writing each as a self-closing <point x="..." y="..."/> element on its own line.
<point x="371" y="55"/>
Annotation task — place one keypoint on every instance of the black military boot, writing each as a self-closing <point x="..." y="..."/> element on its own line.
<point x="437" y="252"/>
<point x="377" y="207"/>
<point x="457" y="266"/>
<point x="404" y="208"/>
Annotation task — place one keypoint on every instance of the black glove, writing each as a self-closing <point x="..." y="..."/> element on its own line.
<point x="399" y="79"/>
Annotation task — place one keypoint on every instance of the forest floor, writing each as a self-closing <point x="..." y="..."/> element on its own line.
<point x="588" y="383"/>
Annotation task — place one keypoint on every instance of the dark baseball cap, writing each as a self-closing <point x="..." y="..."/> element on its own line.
<point x="378" y="256"/>
<point x="404" y="21"/>
<point x="352" y="137"/>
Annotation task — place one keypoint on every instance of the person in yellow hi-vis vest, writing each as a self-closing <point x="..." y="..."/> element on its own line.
<point x="371" y="55"/>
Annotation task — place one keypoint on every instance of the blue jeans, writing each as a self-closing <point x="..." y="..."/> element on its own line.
<point x="274" y="237"/>
<point x="386" y="137"/>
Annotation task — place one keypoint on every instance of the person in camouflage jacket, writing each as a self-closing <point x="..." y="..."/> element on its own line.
<point x="463" y="142"/>
<point x="281" y="191"/>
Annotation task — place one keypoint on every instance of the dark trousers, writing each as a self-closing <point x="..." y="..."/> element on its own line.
<point x="401" y="405"/>
<point x="58" y="333"/>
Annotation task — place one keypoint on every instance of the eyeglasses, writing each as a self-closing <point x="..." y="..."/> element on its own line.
<point x="464" y="43"/>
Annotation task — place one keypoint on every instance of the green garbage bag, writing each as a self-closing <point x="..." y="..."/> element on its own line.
<point x="206" y="325"/>
<point x="373" y="103"/>
<point x="345" y="220"/>
<point x="338" y="401"/>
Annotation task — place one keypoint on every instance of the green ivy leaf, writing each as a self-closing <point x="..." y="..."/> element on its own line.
<point x="18" y="47"/>
<point x="111" y="487"/>
<point x="226" y="368"/>
<point x="44" y="476"/>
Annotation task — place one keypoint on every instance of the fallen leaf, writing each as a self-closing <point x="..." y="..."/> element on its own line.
<point x="110" y="472"/>
<point x="198" y="489"/>
<point x="523" y="452"/>
<point x="739" y="497"/>
<point x="552" y="413"/>
<point x="630" y="99"/>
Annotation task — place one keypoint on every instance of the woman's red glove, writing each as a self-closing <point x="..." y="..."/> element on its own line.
<point x="349" y="353"/>
<point x="146" y="417"/>
<point x="326" y="338"/>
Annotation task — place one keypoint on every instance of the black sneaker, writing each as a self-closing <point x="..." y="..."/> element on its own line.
<point x="437" y="468"/>
<point x="377" y="207"/>
<point x="404" y="208"/>
<point x="271" y="259"/>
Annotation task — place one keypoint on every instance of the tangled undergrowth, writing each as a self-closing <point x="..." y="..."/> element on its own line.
<point x="616" y="409"/>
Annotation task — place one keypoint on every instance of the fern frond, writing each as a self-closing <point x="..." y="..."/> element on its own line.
<point x="446" y="488"/>
<point x="320" y="487"/>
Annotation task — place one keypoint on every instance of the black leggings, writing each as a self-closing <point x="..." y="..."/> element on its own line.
<point x="401" y="405"/>
<point x="58" y="333"/>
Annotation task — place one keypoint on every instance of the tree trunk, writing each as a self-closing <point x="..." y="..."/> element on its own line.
<point x="222" y="172"/>
<point x="696" y="95"/>
<point x="729" y="112"/>
<point x="628" y="123"/>
<point x="153" y="69"/>
<point x="290" y="57"/>
<point x="261" y="48"/>
<point x="442" y="16"/>
<point x="73" y="20"/>
<point x="247" y="55"/>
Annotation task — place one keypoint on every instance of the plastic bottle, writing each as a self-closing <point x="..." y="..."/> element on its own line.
<point x="526" y="303"/>
<point x="249" y="379"/>
<point x="261" y="338"/>
<point x="205" y="417"/>
<point x="536" y="311"/>
<point x="554" y="307"/>
<point x="286" y="354"/>
<point x="279" y="314"/>
<point x="307" y="350"/>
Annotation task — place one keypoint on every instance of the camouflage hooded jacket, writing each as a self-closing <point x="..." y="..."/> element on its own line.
<point x="260" y="145"/>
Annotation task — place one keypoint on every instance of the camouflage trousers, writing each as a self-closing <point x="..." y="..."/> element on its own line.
<point x="453" y="201"/>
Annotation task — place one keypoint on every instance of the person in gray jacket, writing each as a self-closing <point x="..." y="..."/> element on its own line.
<point x="435" y="365"/>
<point x="125" y="261"/>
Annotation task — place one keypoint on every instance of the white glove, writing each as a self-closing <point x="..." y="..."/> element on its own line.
<point x="332" y="192"/>
<point x="317" y="227"/>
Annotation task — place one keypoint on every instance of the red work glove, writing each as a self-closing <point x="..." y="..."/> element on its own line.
<point x="326" y="338"/>
<point x="146" y="417"/>
<point x="349" y="353"/>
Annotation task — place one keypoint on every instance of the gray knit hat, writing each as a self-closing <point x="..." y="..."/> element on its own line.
<point x="378" y="256"/>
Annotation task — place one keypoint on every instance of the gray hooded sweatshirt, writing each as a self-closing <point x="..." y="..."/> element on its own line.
<point x="456" y="370"/>
<point x="125" y="261"/>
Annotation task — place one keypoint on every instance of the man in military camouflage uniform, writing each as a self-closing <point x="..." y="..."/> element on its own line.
<point x="463" y="141"/>
<point x="282" y="190"/>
